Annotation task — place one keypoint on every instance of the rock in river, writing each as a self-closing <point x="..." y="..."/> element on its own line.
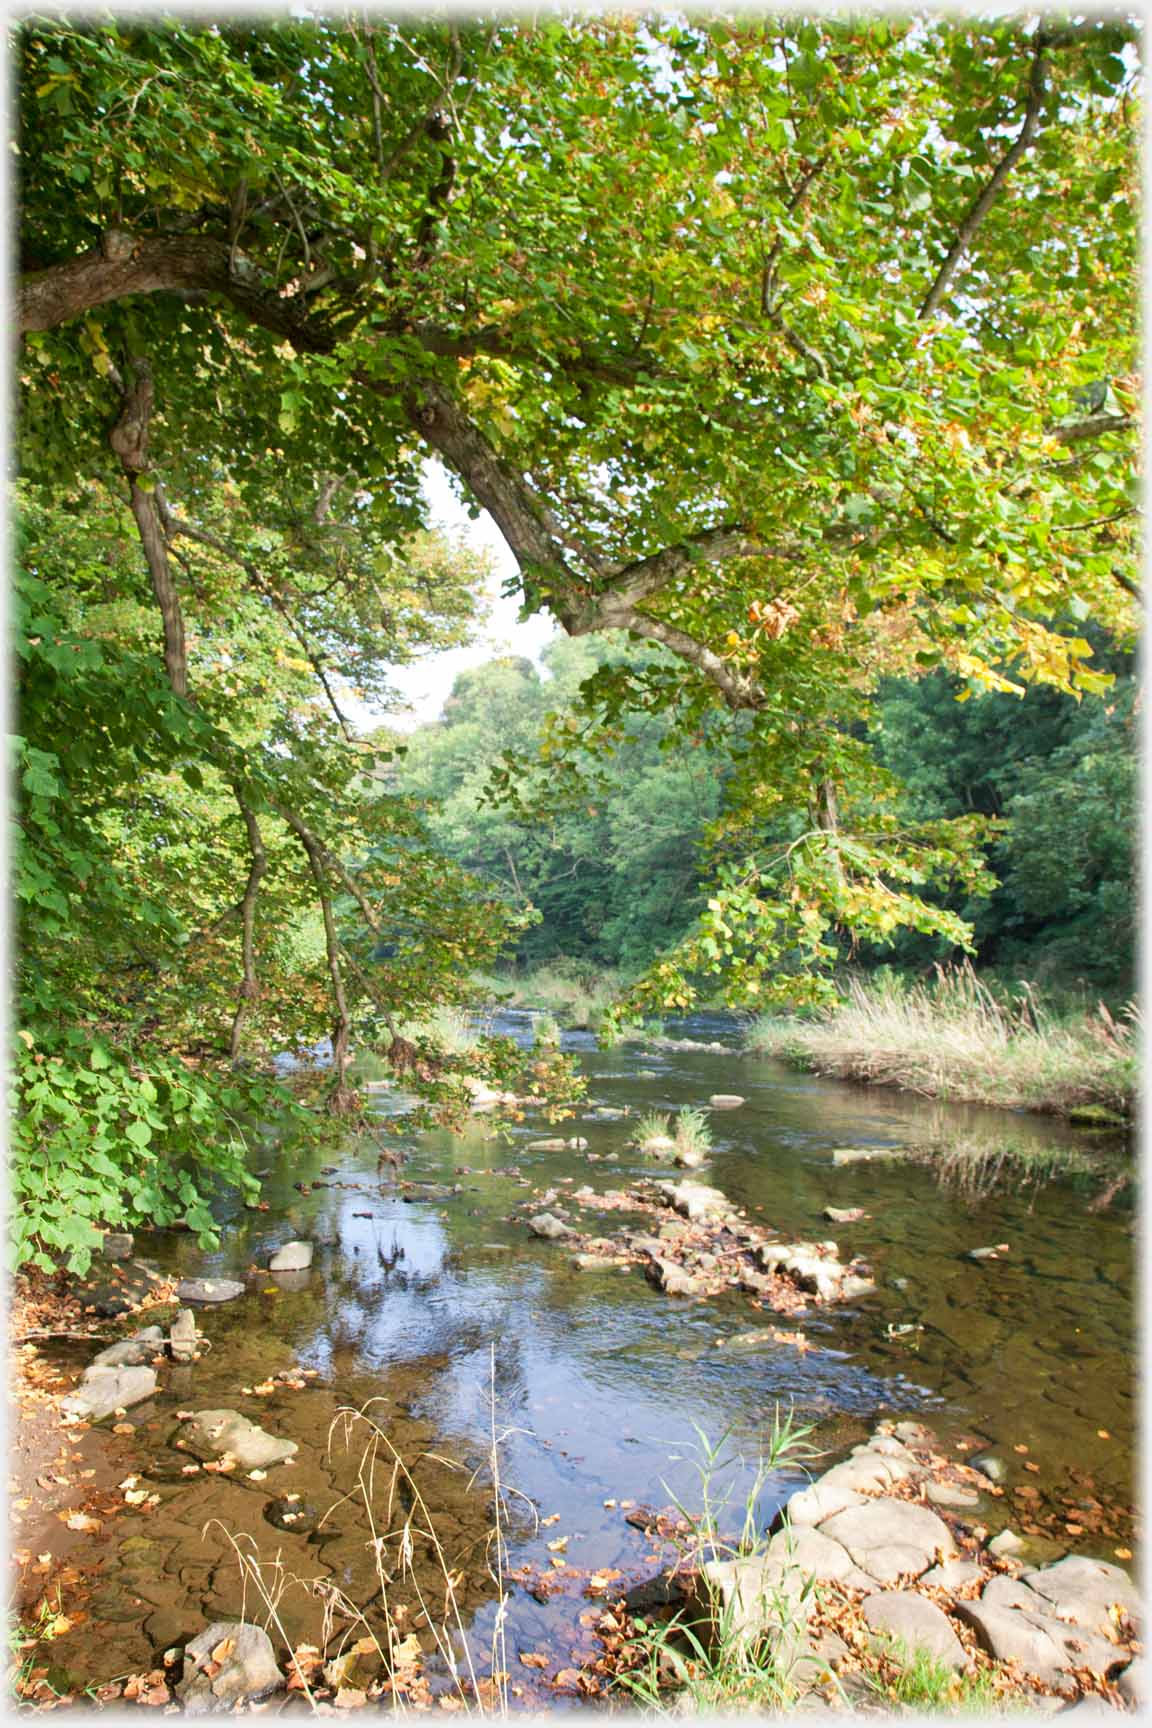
<point x="118" y="1245"/>
<point x="552" y="1229"/>
<point x="132" y="1352"/>
<point x="694" y="1201"/>
<point x="726" y="1101"/>
<point x="844" y="1214"/>
<point x="104" y="1390"/>
<point x="208" y="1290"/>
<point x="183" y="1336"/>
<point x="228" y="1662"/>
<point x="220" y="1431"/>
<point x="293" y="1257"/>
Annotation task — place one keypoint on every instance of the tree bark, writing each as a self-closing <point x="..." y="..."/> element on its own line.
<point x="129" y="441"/>
<point x="249" y="986"/>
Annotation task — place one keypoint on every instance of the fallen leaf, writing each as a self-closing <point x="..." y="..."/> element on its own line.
<point x="1122" y="1553"/>
<point x="123" y="1428"/>
<point x="408" y="1650"/>
<point x="1103" y="1434"/>
<point x="554" y="1518"/>
<point x="534" y="1659"/>
<point x="1030" y="1466"/>
<point x="1019" y="1448"/>
<point x="350" y="1698"/>
<point x="79" y="1521"/>
<point x="558" y="1546"/>
<point x="223" y="1650"/>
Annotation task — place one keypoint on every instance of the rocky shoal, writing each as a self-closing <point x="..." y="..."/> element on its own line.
<point x="873" y="1557"/>
<point x="696" y="1243"/>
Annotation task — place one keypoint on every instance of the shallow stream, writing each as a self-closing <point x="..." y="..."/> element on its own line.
<point x="458" y="1323"/>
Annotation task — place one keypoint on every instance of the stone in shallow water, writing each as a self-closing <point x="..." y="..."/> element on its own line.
<point x="118" y="1245"/>
<point x="247" y="1669"/>
<point x="183" y="1336"/>
<point x="220" y="1431"/>
<point x="131" y="1352"/>
<point x="726" y="1101"/>
<point x="551" y="1228"/>
<point x="844" y="1214"/>
<point x="293" y="1257"/>
<point x="104" y="1390"/>
<point x="292" y="1514"/>
<point x="694" y="1201"/>
<point x="208" y="1290"/>
<point x="670" y="1278"/>
<point x="919" y="1625"/>
<point x="952" y="1494"/>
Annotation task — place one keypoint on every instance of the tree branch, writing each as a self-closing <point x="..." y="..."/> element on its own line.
<point x="342" y="1099"/>
<point x="996" y="180"/>
<point x="1095" y="426"/>
<point x="249" y="985"/>
<point x="129" y="441"/>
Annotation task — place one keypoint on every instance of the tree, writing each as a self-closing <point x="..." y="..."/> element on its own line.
<point x="803" y="349"/>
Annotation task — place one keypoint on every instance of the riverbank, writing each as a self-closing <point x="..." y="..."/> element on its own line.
<point x="879" y="1586"/>
<point x="955" y="1040"/>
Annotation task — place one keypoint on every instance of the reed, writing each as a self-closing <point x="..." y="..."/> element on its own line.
<point x="956" y="1038"/>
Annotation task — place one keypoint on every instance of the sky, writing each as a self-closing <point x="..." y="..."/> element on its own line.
<point x="425" y="685"/>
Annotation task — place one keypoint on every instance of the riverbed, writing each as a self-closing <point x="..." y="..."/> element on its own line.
<point x="430" y="1305"/>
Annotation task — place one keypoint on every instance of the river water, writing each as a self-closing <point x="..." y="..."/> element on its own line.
<point x="601" y="1391"/>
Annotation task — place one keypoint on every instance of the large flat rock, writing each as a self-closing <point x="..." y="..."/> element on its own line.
<point x="917" y="1623"/>
<point x="1042" y="1645"/>
<point x="846" y="1483"/>
<point x="817" y="1556"/>
<point x="1083" y="1590"/>
<point x="891" y="1539"/>
<point x="104" y="1390"/>
<point x="220" y="1431"/>
<point x="293" y="1257"/>
<point x="208" y="1290"/>
<point x="694" y="1200"/>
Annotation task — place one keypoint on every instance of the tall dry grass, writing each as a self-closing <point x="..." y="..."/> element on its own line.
<point x="955" y="1039"/>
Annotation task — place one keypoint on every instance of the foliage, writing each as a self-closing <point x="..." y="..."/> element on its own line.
<point x="956" y="1039"/>
<point x="795" y="353"/>
<point x="608" y="855"/>
<point x="801" y="349"/>
<point x="144" y="997"/>
<point x="1060" y="778"/>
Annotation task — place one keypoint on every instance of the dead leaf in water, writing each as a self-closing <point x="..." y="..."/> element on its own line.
<point x="79" y="1521"/>
<point x="534" y="1659"/>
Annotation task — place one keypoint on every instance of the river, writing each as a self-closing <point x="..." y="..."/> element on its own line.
<point x="599" y="1389"/>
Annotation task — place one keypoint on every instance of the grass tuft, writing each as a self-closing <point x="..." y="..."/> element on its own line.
<point x="956" y="1039"/>
<point x="693" y="1135"/>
